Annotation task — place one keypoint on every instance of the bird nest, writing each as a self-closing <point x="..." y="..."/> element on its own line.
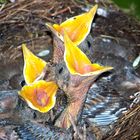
<point x="127" y="126"/>
<point x="24" y="22"/>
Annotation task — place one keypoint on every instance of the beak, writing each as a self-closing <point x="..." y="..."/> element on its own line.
<point x="77" y="27"/>
<point x="55" y="31"/>
<point x="33" y="65"/>
<point x="40" y="95"/>
<point x="78" y="63"/>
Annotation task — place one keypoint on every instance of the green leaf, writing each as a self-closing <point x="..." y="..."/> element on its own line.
<point x="129" y="6"/>
<point x="3" y="1"/>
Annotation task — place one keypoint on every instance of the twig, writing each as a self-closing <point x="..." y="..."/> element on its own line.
<point x="2" y="6"/>
<point x="62" y="11"/>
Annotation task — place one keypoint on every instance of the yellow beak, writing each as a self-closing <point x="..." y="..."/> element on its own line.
<point x="33" y="66"/>
<point x="78" y="63"/>
<point x="77" y="27"/>
<point x="40" y="95"/>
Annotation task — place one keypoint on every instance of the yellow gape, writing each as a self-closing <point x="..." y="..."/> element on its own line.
<point x="77" y="27"/>
<point x="40" y="95"/>
<point x="33" y="65"/>
<point x="78" y="63"/>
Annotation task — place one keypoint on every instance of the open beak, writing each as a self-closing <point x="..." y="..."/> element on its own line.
<point x="78" y="63"/>
<point x="77" y="27"/>
<point x="33" y="65"/>
<point x="40" y="95"/>
<point x="82" y="74"/>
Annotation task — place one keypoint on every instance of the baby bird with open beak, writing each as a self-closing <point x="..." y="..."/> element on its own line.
<point x="82" y="73"/>
<point x="38" y="93"/>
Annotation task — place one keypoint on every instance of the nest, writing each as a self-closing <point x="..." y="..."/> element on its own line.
<point x="30" y="17"/>
<point x="127" y="127"/>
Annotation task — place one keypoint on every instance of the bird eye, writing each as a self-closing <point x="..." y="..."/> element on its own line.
<point x="60" y="70"/>
<point x="22" y="83"/>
